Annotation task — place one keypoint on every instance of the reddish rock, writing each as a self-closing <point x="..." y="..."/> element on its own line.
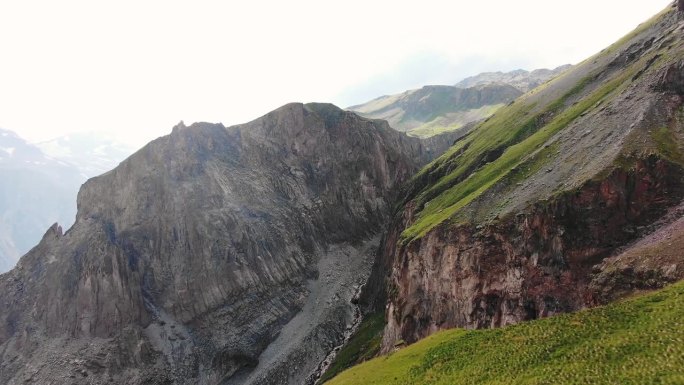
<point x="526" y="266"/>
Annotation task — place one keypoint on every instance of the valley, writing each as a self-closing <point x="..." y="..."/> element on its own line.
<point x="518" y="227"/>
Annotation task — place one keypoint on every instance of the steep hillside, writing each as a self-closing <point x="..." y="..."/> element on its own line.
<point x="638" y="342"/>
<point x="520" y="79"/>
<point x="432" y="110"/>
<point x="520" y="219"/>
<point x="212" y="255"/>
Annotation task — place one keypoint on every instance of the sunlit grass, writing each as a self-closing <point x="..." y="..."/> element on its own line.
<point x="638" y="341"/>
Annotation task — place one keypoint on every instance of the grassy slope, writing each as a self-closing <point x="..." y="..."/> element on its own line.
<point x="364" y="345"/>
<point x="439" y="112"/>
<point x="637" y="341"/>
<point x="453" y="121"/>
<point x="518" y="131"/>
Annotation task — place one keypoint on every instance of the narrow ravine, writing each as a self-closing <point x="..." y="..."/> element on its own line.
<point x="348" y="333"/>
<point x="307" y="344"/>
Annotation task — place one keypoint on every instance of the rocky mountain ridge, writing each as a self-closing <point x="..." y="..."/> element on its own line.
<point x="189" y="261"/>
<point x="236" y="255"/>
<point x="521" y="79"/>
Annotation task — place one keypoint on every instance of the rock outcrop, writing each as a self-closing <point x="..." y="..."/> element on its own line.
<point x="188" y="261"/>
<point x="531" y="214"/>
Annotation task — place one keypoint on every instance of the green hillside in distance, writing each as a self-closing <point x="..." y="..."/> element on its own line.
<point x="554" y="137"/>
<point x="434" y="109"/>
<point x="637" y="341"/>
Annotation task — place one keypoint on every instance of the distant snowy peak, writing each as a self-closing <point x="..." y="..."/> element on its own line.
<point x="93" y="154"/>
<point x="16" y="152"/>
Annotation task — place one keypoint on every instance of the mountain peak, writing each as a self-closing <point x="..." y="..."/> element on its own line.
<point x="179" y="126"/>
<point x="521" y="79"/>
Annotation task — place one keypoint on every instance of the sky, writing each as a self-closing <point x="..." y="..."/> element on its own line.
<point x="133" y="69"/>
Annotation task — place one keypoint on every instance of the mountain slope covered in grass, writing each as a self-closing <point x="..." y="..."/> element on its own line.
<point x="434" y="109"/>
<point x="638" y="341"/>
<point x="515" y="221"/>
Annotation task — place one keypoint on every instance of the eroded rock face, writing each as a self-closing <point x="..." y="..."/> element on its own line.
<point x="526" y="266"/>
<point x="188" y="259"/>
<point x="555" y="230"/>
<point x="672" y="78"/>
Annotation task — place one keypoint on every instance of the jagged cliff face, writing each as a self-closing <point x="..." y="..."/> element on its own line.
<point x="187" y="260"/>
<point x="536" y="211"/>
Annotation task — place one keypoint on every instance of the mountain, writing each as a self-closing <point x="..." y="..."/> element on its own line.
<point x="568" y="198"/>
<point x="520" y="79"/>
<point x="432" y="110"/>
<point x="211" y="255"/>
<point x="596" y="345"/>
<point x="36" y="192"/>
<point x="282" y="250"/>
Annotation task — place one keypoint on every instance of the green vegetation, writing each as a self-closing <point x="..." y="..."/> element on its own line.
<point x="638" y="30"/>
<point x="532" y="164"/>
<point x="364" y="345"/>
<point x="452" y="121"/>
<point x="639" y="341"/>
<point x="667" y="144"/>
<point x="494" y="134"/>
<point x="507" y="142"/>
<point x="426" y="131"/>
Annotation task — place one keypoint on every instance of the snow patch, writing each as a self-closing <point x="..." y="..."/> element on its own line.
<point x="8" y="150"/>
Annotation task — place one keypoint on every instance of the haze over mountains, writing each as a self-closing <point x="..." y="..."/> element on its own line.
<point x="40" y="183"/>
<point x="92" y="153"/>
<point x="431" y="110"/>
<point x="311" y="239"/>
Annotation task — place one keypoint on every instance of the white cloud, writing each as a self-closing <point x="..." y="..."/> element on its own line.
<point x="135" y="68"/>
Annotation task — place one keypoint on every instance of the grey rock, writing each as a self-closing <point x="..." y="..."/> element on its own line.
<point x="189" y="260"/>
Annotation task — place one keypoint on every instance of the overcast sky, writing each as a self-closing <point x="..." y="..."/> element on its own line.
<point x="136" y="68"/>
